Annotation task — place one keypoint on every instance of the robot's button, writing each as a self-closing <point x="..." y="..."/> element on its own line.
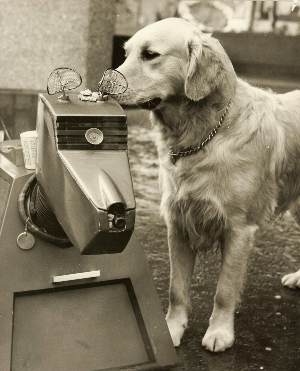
<point x="94" y="136"/>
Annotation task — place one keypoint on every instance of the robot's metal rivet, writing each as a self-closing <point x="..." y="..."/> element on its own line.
<point x="94" y="136"/>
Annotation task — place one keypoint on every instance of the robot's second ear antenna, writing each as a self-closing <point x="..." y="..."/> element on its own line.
<point x="112" y="82"/>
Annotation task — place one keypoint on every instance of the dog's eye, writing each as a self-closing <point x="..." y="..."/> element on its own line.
<point x="149" y="54"/>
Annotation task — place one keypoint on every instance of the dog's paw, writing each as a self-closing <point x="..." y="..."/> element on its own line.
<point x="218" y="339"/>
<point x="176" y="330"/>
<point x="291" y="280"/>
<point x="177" y="325"/>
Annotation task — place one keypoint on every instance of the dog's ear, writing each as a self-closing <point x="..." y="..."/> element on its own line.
<point x="209" y="68"/>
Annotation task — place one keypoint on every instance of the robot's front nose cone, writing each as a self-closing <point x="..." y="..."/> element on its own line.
<point x="108" y="190"/>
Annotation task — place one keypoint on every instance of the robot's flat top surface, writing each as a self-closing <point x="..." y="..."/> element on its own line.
<point x="76" y="107"/>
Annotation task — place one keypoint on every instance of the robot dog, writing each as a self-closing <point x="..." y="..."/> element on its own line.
<point x="75" y="289"/>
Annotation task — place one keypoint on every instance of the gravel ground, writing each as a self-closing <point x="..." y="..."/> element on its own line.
<point x="267" y="324"/>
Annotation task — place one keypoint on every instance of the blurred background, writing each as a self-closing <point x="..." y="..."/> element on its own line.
<point x="262" y="39"/>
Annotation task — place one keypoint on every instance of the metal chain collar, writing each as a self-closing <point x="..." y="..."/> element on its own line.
<point x="174" y="156"/>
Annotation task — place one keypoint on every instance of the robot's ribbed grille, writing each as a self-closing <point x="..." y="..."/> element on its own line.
<point x="75" y="135"/>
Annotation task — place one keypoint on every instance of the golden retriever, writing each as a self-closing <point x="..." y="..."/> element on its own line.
<point x="229" y="157"/>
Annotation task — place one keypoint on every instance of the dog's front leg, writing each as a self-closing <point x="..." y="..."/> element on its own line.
<point x="220" y="333"/>
<point x="182" y="260"/>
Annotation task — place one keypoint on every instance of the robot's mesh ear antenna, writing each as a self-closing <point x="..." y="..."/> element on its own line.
<point x="113" y="82"/>
<point x="62" y="79"/>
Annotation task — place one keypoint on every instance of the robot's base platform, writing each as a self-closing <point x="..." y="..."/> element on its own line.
<point x="53" y="320"/>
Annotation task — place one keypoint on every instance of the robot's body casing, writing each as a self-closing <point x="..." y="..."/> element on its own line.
<point x="110" y="322"/>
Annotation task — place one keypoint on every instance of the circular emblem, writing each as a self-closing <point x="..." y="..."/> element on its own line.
<point x="94" y="136"/>
<point x="25" y="241"/>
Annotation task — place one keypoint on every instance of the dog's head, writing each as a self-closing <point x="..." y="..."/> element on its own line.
<point x="173" y="58"/>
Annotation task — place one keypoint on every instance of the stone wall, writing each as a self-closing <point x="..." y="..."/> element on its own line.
<point x="40" y="35"/>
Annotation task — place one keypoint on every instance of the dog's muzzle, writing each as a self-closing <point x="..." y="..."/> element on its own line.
<point x="150" y="104"/>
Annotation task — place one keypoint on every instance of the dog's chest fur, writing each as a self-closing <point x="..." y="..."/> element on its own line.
<point x="194" y="193"/>
<point x="191" y="201"/>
